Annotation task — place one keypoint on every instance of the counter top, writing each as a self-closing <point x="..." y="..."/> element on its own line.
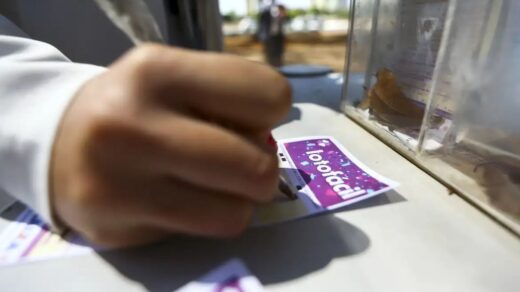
<point x="415" y="238"/>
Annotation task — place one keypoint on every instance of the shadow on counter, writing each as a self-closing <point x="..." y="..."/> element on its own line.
<point x="273" y="254"/>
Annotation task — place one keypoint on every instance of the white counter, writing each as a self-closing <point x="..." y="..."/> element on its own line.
<point x="416" y="238"/>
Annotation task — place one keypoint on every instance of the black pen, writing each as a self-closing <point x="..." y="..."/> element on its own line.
<point x="283" y="186"/>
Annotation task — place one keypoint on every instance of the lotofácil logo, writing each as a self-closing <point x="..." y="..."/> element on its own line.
<point x="333" y="178"/>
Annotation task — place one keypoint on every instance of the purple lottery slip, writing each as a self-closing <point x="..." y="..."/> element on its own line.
<point x="329" y="174"/>
<point x="231" y="276"/>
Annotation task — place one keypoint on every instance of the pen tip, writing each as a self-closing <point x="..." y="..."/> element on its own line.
<point x="285" y="189"/>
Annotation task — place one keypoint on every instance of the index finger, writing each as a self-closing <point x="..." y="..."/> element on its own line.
<point x="220" y="87"/>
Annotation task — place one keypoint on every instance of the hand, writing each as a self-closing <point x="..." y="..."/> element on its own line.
<point x="167" y="141"/>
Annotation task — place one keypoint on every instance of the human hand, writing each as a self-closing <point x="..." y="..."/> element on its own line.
<point x="167" y="141"/>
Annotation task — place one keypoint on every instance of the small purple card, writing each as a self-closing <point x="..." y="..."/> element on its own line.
<point x="329" y="174"/>
<point x="233" y="276"/>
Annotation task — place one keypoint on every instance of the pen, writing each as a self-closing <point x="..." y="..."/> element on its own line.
<point x="134" y="18"/>
<point x="283" y="186"/>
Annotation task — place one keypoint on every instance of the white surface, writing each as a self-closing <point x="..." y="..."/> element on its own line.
<point x="417" y="238"/>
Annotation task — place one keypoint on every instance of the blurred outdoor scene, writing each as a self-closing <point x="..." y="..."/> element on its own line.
<point x="314" y="31"/>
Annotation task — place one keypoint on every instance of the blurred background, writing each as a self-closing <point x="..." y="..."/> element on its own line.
<point x="315" y="31"/>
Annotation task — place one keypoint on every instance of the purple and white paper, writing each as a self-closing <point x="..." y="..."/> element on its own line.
<point x="325" y="177"/>
<point x="231" y="276"/>
<point x="329" y="174"/>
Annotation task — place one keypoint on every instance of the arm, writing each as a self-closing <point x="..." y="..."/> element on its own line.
<point x="36" y="84"/>
<point x="164" y="141"/>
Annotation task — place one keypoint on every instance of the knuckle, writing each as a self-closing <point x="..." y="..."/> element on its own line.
<point x="109" y="110"/>
<point x="110" y="95"/>
<point x="99" y="124"/>
<point x="261" y="178"/>
<point x="144" y="54"/>
<point x="97" y="138"/>
<point x="265" y="168"/>
<point x="108" y="121"/>
<point x="142" y="58"/>
<point x="266" y="165"/>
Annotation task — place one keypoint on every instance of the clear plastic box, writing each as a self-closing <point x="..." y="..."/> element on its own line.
<point x="437" y="80"/>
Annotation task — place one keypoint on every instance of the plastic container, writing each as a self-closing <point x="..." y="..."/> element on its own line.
<point x="437" y="80"/>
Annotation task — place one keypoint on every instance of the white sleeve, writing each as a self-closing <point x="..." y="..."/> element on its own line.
<point x="37" y="83"/>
